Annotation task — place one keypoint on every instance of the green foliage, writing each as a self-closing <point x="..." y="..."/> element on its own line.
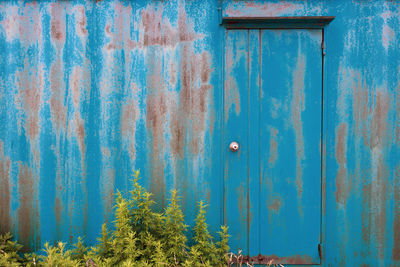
<point x="140" y="237"/>
<point x="203" y="240"/>
<point x="222" y="245"/>
<point x="174" y="231"/>
<point x="9" y="251"/>
<point x="57" y="256"/>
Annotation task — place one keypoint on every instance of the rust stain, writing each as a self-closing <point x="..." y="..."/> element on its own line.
<point x="108" y="30"/>
<point x="360" y="104"/>
<point x="205" y="68"/>
<point x="195" y="72"/>
<point x="156" y="109"/>
<point x="80" y="132"/>
<point x="388" y="33"/>
<point x="105" y="151"/>
<point x="81" y="21"/>
<point x="396" y="221"/>
<point x="273" y="259"/>
<point x="58" y="26"/>
<point x="5" y="196"/>
<point x="118" y="38"/>
<point x="11" y="23"/>
<point x="341" y="158"/>
<point x="232" y="96"/>
<point x="31" y="86"/>
<point x="178" y="132"/>
<point x="23" y="23"/>
<point x="274" y="200"/>
<point x="159" y="32"/>
<point x="374" y="221"/>
<point x="173" y="78"/>
<point x="155" y="31"/>
<point x="77" y="123"/>
<point x="297" y="106"/>
<point x="379" y="120"/>
<point x="193" y="99"/>
<point x="27" y="210"/>
<point x="57" y="107"/>
<point x="206" y="71"/>
<point x="58" y="210"/>
<point x="274" y="204"/>
<point x="273" y="146"/>
<point x="57" y="86"/>
<point x="378" y="140"/>
<point x="187" y="111"/>
<point x="242" y="205"/>
<point x="379" y="193"/>
<point x="397" y="123"/>
<point x="108" y="194"/>
<point x="75" y="86"/>
<point x="366" y="212"/>
<point x="128" y="125"/>
<point x="231" y="89"/>
<point x="262" y="9"/>
<point x="387" y="36"/>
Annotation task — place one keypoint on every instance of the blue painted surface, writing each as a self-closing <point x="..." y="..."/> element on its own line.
<point x="273" y="109"/>
<point x="90" y="91"/>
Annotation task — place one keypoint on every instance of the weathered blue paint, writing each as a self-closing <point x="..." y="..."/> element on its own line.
<point x="90" y="91"/>
<point x="274" y="111"/>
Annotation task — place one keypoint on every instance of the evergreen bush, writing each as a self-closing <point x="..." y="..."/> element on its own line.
<point x="139" y="237"/>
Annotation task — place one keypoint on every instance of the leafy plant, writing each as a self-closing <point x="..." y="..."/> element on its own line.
<point x="139" y="237"/>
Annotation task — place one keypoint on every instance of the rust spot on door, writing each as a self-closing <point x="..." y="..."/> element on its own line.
<point x="273" y="146"/>
<point x="274" y="204"/>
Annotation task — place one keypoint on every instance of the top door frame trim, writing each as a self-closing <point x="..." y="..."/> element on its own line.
<point x="298" y="22"/>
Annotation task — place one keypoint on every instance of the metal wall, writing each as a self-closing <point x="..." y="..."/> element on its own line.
<point x="90" y="91"/>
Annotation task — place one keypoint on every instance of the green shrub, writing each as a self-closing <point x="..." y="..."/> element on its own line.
<point x="9" y="251"/>
<point x="141" y="237"/>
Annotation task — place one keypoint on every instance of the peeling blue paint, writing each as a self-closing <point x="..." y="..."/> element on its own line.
<point x="91" y="91"/>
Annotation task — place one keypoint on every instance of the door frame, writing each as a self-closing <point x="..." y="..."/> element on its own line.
<point x="297" y="22"/>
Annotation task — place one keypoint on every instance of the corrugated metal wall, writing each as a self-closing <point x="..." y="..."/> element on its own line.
<point x="91" y="90"/>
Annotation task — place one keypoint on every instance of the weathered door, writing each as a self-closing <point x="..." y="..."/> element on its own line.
<point x="273" y="110"/>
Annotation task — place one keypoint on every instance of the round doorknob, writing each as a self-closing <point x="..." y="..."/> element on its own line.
<point x="234" y="146"/>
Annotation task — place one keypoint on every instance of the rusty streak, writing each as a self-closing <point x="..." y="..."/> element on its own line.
<point x="273" y="259"/>
<point x="5" y="197"/>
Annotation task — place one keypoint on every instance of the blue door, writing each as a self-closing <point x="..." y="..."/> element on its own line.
<point x="272" y="144"/>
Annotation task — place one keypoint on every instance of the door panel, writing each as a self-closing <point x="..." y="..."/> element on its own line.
<point x="273" y="182"/>
<point x="236" y="108"/>
<point x="254" y="141"/>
